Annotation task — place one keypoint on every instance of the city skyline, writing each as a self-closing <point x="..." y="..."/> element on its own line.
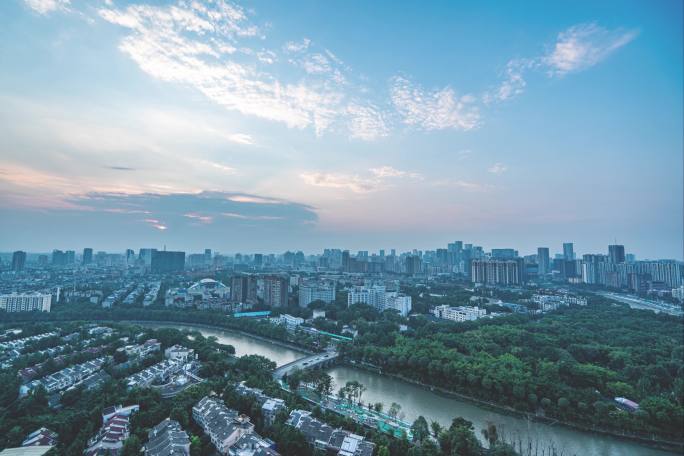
<point x="249" y="127"/>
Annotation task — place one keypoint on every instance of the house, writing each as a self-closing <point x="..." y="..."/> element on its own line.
<point x="167" y="439"/>
<point x="223" y="425"/>
<point x="178" y="352"/>
<point x="269" y="406"/>
<point x="41" y="437"/>
<point x="253" y="445"/>
<point x="114" y="431"/>
<point x="322" y="436"/>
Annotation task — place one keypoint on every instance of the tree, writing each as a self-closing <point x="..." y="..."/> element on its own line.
<point x="378" y="407"/>
<point x="394" y="410"/>
<point x="420" y="429"/>
<point x="131" y="446"/>
<point x="436" y="428"/>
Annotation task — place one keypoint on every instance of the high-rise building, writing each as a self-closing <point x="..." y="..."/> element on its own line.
<point x="258" y="260"/>
<point x="568" y="251"/>
<point x="70" y="257"/>
<point x="58" y="258"/>
<point x="87" y="256"/>
<point x="146" y="256"/>
<point x="504" y="254"/>
<point x="414" y="265"/>
<point x="164" y="262"/>
<point x="18" y="260"/>
<point x="544" y="267"/>
<point x="275" y="291"/>
<point x="243" y="289"/>
<point x="25" y="302"/>
<point x="616" y="253"/>
<point x="497" y="272"/>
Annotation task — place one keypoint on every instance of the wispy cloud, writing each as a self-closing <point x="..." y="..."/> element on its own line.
<point x="297" y="46"/>
<point x="193" y="43"/>
<point x="433" y="110"/>
<point x="366" y="122"/>
<point x="583" y="46"/>
<point x="48" y="6"/>
<point x="497" y="168"/>
<point x="577" y="48"/>
<point x="376" y="179"/>
<point x="120" y="168"/>
<point x="157" y="224"/>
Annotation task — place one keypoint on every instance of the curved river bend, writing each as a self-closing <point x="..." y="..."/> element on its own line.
<point x="416" y="401"/>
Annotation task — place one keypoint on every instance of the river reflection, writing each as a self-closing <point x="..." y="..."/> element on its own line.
<point x="417" y="401"/>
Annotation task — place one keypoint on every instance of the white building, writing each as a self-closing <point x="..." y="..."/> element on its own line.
<point x="288" y="320"/>
<point x="309" y="293"/>
<point x="378" y="297"/>
<point x="25" y="302"/>
<point x="678" y="293"/>
<point x="463" y="313"/>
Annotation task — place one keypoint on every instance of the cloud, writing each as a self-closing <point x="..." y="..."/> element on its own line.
<point x="336" y="180"/>
<point x="297" y="46"/>
<point x="358" y="184"/>
<point x="576" y="48"/>
<point x="195" y="44"/>
<point x="497" y="168"/>
<point x="460" y="184"/>
<point x="435" y="110"/>
<point x="366" y="122"/>
<point x="388" y="171"/>
<point x="120" y="168"/>
<point x="583" y="46"/>
<point x="176" y="210"/>
<point x="514" y="81"/>
<point x="48" y="6"/>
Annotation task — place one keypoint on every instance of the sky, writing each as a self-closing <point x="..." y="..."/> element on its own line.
<point x="264" y="126"/>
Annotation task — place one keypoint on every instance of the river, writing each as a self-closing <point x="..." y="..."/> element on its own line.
<point x="416" y="401"/>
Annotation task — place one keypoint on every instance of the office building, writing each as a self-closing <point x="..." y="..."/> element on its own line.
<point x="616" y="253"/>
<point x="568" y="251"/>
<point x="18" y="260"/>
<point x="25" y="302"/>
<point x="164" y="262"/>
<point x="544" y="266"/>
<point x="87" y="256"/>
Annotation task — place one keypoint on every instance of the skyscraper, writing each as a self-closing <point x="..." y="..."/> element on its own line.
<point x="568" y="251"/>
<point x="18" y="260"/>
<point x="616" y="253"/>
<point x="165" y="262"/>
<point x="543" y="260"/>
<point x="87" y="255"/>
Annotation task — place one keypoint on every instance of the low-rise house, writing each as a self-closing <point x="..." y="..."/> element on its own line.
<point x="167" y="439"/>
<point x="323" y="436"/>
<point x="157" y="373"/>
<point x="224" y="426"/>
<point x="270" y="406"/>
<point x="253" y="445"/>
<point x="142" y="350"/>
<point x="114" y="431"/>
<point x="67" y="377"/>
<point x="40" y="437"/>
<point x="178" y="352"/>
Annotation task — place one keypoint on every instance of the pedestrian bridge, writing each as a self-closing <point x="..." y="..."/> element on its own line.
<point x="317" y="361"/>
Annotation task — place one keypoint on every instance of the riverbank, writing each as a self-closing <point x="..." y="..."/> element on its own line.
<point x="644" y="443"/>
<point x="278" y="342"/>
<point x="665" y="445"/>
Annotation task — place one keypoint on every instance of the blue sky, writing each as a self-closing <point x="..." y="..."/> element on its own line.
<point x="263" y="126"/>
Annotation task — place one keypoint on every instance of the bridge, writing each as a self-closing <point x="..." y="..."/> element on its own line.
<point x="317" y="361"/>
